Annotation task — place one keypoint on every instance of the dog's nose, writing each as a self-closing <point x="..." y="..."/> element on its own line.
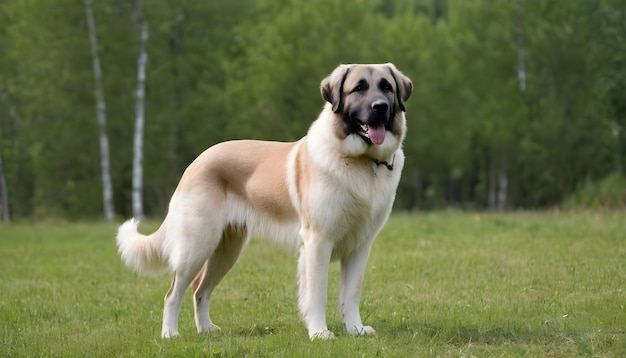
<point x="380" y="106"/>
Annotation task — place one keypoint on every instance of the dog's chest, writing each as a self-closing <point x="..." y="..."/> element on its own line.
<point x="351" y="205"/>
<point x="376" y="195"/>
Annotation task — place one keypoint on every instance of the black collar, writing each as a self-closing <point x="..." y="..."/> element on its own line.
<point x="386" y="164"/>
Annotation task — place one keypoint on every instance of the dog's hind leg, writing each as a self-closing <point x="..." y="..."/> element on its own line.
<point x="186" y="267"/>
<point x="173" y="300"/>
<point x="221" y="261"/>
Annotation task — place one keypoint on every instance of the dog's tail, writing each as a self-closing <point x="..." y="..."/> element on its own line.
<point x="142" y="253"/>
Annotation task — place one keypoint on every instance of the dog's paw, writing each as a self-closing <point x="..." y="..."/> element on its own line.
<point x="367" y="330"/>
<point x="168" y="333"/>
<point x="323" y="334"/>
<point x="210" y="328"/>
<point x="359" y="331"/>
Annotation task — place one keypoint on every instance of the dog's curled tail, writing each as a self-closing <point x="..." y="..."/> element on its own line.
<point x="142" y="253"/>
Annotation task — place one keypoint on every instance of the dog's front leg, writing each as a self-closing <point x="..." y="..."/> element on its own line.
<point x="352" y="271"/>
<point x="314" y="259"/>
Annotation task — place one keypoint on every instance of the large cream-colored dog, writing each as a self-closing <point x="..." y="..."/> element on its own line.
<point x="325" y="197"/>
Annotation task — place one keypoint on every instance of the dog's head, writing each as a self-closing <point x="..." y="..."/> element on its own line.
<point x="368" y="100"/>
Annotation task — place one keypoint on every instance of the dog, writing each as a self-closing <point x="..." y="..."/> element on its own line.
<point x="324" y="197"/>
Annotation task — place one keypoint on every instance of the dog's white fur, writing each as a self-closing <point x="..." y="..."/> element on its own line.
<point x="323" y="197"/>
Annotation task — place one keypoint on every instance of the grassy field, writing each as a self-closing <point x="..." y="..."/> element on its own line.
<point x="440" y="284"/>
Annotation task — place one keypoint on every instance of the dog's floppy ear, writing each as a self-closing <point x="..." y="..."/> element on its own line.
<point x="332" y="86"/>
<point x="404" y="85"/>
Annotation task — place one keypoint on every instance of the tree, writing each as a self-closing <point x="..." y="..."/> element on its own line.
<point x="51" y="161"/>
<point x="4" y="193"/>
<point x="565" y="141"/>
<point x="515" y="104"/>
<point x="107" y="186"/>
<point x="608" y="20"/>
<point x="139" y="115"/>
<point x="286" y="50"/>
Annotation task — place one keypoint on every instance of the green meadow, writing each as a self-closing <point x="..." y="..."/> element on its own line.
<point x="437" y="284"/>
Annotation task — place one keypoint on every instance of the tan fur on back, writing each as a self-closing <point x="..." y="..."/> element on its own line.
<point x="247" y="169"/>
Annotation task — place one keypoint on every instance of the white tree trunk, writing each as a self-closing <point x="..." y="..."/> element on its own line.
<point x="139" y="117"/>
<point x="503" y="179"/>
<point x="107" y="186"/>
<point x="492" y="193"/>
<point x="503" y="184"/>
<point x="4" y="195"/>
<point x="521" y="68"/>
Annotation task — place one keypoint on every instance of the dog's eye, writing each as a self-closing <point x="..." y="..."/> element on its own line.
<point x="358" y="88"/>
<point x="387" y="88"/>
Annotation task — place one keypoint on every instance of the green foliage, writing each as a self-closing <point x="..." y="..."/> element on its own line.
<point x="440" y="284"/>
<point x="607" y="194"/>
<point x="251" y="69"/>
<point x="280" y="67"/>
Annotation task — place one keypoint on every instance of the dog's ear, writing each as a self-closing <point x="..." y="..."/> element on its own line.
<point x="404" y="85"/>
<point x="332" y="86"/>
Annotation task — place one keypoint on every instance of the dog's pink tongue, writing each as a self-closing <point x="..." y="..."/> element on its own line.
<point x="376" y="134"/>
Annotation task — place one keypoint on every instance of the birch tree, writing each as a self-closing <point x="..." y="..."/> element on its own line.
<point x="503" y="180"/>
<point x="139" y="115"/>
<point x="107" y="187"/>
<point x="521" y="67"/>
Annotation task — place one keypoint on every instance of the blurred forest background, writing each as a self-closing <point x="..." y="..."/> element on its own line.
<point x="517" y="104"/>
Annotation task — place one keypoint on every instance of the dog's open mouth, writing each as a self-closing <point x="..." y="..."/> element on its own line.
<point x="375" y="133"/>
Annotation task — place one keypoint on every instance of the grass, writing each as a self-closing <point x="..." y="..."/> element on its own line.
<point x="438" y="284"/>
